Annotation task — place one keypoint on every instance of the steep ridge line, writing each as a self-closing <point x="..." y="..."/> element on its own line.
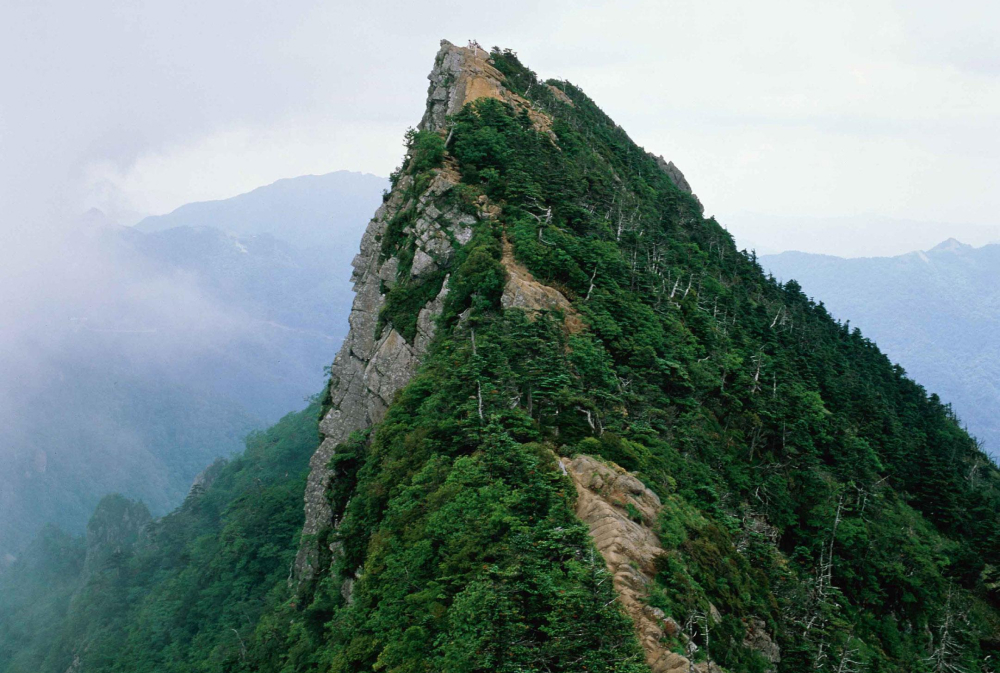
<point x="370" y="368"/>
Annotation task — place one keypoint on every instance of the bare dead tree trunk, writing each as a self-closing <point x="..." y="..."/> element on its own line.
<point x="688" y="288"/>
<point x="947" y="654"/>
<point x="592" y="277"/>
<point x="756" y="376"/>
<point x="479" y="385"/>
<point x="676" y="283"/>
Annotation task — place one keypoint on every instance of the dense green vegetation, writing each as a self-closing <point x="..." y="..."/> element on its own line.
<point x="470" y="556"/>
<point x="807" y="484"/>
<point x="177" y="594"/>
<point x="936" y="313"/>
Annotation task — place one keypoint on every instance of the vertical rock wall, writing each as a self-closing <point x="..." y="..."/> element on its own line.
<point x="375" y="362"/>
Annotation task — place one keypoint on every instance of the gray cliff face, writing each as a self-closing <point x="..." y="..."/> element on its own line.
<point x="376" y="361"/>
<point x="675" y="175"/>
<point x="443" y="97"/>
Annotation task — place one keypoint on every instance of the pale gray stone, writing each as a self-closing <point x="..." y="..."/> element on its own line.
<point x="675" y="175"/>
<point x="423" y="264"/>
<point x="427" y="319"/>
<point x="371" y="367"/>
<point x="388" y="271"/>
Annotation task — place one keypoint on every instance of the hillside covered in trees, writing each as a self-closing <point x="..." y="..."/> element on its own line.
<point x="935" y="312"/>
<point x="611" y="443"/>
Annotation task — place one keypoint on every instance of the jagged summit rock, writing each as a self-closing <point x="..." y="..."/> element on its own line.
<point x="675" y="175"/>
<point x="464" y="74"/>
<point x="460" y="74"/>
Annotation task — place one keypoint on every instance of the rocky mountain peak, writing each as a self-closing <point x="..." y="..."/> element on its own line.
<point x="408" y="249"/>
<point x="409" y="244"/>
<point x="464" y="74"/>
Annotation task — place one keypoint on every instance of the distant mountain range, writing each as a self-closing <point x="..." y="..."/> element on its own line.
<point x="937" y="313"/>
<point x="206" y="323"/>
<point x="310" y="210"/>
<point x="862" y="235"/>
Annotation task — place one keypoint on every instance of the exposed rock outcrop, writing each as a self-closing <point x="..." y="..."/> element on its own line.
<point x="675" y="175"/>
<point x="621" y="514"/>
<point x="76" y="666"/>
<point x="560" y="95"/>
<point x="117" y="526"/>
<point x="375" y="360"/>
<point x="758" y="639"/>
<point x="522" y="291"/>
<point x="426" y="319"/>
<point x="464" y="74"/>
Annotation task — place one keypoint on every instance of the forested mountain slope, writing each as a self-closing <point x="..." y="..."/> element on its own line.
<point x="170" y="594"/>
<point x="574" y="429"/>
<point x="937" y="313"/>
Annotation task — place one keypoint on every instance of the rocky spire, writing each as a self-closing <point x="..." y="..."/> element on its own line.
<point x="462" y="75"/>
<point x="375" y="360"/>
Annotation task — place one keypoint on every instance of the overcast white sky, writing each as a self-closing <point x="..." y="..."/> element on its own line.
<point x="793" y="121"/>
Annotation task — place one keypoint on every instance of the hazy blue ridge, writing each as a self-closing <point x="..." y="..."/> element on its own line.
<point x="212" y="321"/>
<point x="937" y="313"/>
<point x="305" y="209"/>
